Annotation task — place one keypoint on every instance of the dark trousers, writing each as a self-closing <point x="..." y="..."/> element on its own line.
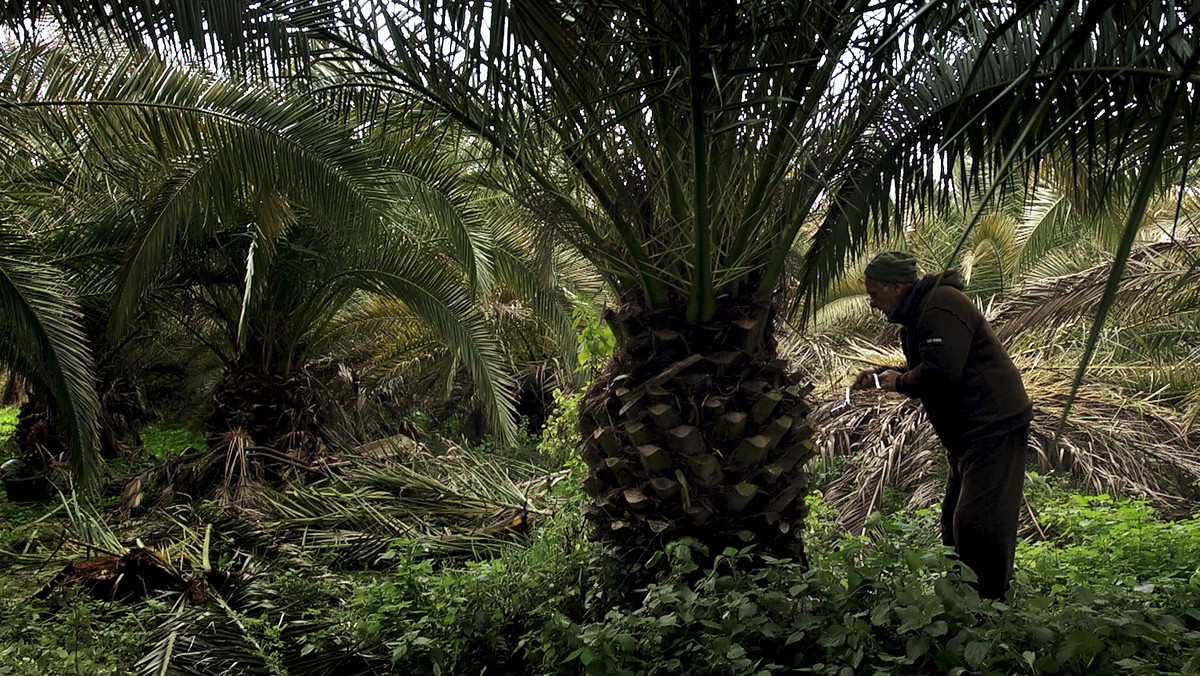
<point x="982" y="505"/>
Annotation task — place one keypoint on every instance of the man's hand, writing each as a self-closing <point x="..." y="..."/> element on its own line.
<point x="887" y="380"/>
<point x="870" y="379"/>
<point x="865" y="380"/>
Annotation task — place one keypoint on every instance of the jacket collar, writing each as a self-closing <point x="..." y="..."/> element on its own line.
<point x="910" y="303"/>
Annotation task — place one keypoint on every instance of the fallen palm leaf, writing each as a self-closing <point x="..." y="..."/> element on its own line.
<point x="447" y="504"/>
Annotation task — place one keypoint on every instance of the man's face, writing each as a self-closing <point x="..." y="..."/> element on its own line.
<point x="885" y="296"/>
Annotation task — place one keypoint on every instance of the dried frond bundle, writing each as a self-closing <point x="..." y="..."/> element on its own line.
<point x="1113" y="441"/>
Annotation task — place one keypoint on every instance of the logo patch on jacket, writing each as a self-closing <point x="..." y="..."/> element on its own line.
<point x="932" y="341"/>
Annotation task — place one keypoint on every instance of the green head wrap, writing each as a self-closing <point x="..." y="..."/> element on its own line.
<point x="893" y="267"/>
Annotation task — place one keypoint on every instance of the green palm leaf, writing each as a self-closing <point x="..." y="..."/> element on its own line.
<point x="44" y="340"/>
<point x="266" y="167"/>
<point x="439" y="298"/>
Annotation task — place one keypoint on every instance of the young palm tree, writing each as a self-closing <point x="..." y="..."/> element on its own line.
<point x="253" y="215"/>
<point x="681" y="145"/>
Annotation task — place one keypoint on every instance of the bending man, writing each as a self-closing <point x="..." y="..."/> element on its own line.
<point x="975" y="400"/>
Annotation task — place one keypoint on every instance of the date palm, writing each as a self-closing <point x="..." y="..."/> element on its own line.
<point x="682" y="145"/>
<point x="250" y="220"/>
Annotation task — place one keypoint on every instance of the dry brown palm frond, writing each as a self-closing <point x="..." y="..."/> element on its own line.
<point x="234" y="471"/>
<point x="883" y="443"/>
<point x="1114" y="441"/>
<point x="183" y="474"/>
<point x="1159" y="279"/>
<point x="239" y="473"/>
<point x="833" y="359"/>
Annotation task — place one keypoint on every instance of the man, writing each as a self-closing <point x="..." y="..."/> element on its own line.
<point x="975" y="400"/>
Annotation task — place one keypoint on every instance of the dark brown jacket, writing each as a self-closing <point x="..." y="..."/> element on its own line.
<point x="956" y="365"/>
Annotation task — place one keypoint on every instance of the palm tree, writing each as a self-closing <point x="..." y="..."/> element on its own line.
<point x="256" y="216"/>
<point x="682" y="145"/>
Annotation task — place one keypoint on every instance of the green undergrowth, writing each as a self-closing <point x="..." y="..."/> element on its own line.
<point x="69" y="634"/>
<point x="1111" y="588"/>
<point x="896" y="605"/>
<point x="158" y="442"/>
<point x="162" y="439"/>
<point x="8" y="421"/>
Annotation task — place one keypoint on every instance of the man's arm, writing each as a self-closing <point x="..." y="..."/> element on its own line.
<point x="945" y="342"/>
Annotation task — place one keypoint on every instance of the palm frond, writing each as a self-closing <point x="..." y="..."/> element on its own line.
<point x="44" y="339"/>
<point x="202" y="642"/>
<point x="236" y="33"/>
<point x="1156" y="284"/>
<point x="1115" y="442"/>
<point x="437" y="296"/>
<point x="458" y="503"/>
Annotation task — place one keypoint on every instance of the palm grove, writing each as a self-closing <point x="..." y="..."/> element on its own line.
<point x="364" y="171"/>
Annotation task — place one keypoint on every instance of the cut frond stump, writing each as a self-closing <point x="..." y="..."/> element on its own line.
<point x="131" y="576"/>
<point x="654" y="459"/>
<point x="709" y="431"/>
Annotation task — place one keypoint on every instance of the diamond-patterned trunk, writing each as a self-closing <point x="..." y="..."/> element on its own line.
<point x="278" y="411"/>
<point x="39" y="437"/>
<point x="697" y="430"/>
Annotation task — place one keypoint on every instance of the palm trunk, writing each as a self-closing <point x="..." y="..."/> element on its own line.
<point x="12" y="393"/>
<point x="278" y="411"/>
<point x="697" y="430"/>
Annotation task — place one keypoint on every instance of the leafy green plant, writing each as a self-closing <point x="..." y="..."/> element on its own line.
<point x="77" y="635"/>
<point x="560" y="437"/>
<point x="465" y="620"/>
<point x="893" y="605"/>
<point x="1098" y="541"/>
<point x="596" y="341"/>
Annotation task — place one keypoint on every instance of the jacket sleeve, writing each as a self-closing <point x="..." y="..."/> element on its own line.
<point x="944" y="341"/>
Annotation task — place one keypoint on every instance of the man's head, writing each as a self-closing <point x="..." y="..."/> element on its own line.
<point x="888" y="276"/>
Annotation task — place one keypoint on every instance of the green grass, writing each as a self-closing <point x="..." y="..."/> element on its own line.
<point x="163" y="439"/>
<point x="8" y="423"/>
<point x="8" y="420"/>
